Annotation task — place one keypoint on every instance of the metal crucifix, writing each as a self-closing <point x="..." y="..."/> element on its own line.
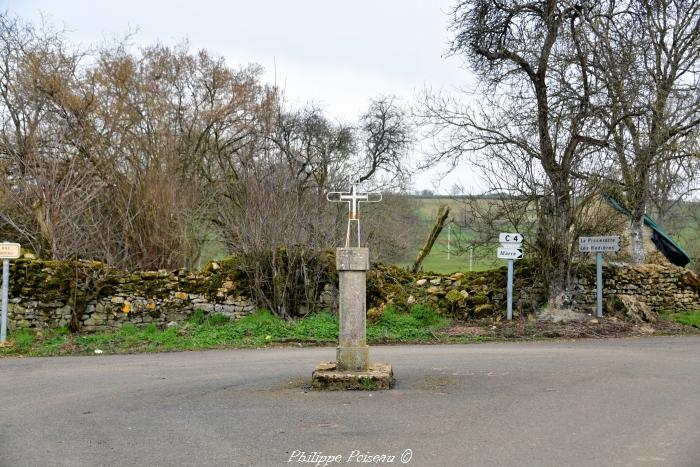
<point x="353" y="199"/>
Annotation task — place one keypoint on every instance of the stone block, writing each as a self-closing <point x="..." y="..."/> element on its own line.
<point x="224" y="309"/>
<point x="205" y="307"/>
<point x="353" y="358"/>
<point x="181" y="295"/>
<point x="352" y="259"/>
<point x="378" y="376"/>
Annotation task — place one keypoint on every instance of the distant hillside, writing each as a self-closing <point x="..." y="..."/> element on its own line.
<point x="682" y="222"/>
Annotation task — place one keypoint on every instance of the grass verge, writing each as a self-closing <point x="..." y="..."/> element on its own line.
<point x="420" y="324"/>
<point x="688" y="318"/>
<point x="199" y="332"/>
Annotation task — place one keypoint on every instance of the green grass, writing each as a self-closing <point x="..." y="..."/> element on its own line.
<point x="691" y="318"/>
<point x="437" y="262"/>
<point x="418" y="325"/>
<point x="217" y="331"/>
<point x="367" y="385"/>
<point x="682" y="223"/>
<point x="484" y="258"/>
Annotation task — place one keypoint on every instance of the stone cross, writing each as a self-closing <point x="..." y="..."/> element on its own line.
<point x="353" y="199"/>
<point x="352" y="368"/>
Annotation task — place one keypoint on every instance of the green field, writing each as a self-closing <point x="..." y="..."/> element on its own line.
<point x="460" y="257"/>
<point x="484" y="258"/>
<point x="682" y="222"/>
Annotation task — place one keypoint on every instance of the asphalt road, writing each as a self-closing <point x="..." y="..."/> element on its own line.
<point x="609" y="402"/>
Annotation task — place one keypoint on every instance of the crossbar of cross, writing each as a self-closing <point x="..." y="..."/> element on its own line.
<point x="353" y="198"/>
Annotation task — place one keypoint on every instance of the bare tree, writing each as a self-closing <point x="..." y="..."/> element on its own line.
<point x="673" y="183"/>
<point x="47" y="187"/>
<point x="386" y="139"/>
<point x="533" y="128"/>
<point x="647" y="55"/>
<point x="140" y="158"/>
<point x="274" y="214"/>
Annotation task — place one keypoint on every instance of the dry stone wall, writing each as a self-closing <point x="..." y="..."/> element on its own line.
<point x="660" y="287"/>
<point x="49" y="293"/>
<point x="483" y="294"/>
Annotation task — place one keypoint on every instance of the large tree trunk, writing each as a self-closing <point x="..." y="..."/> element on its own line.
<point x="46" y="238"/>
<point x="636" y="248"/>
<point x="554" y="244"/>
<point x="556" y="265"/>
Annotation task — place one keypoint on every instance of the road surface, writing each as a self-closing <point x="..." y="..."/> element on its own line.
<point x="606" y="402"/>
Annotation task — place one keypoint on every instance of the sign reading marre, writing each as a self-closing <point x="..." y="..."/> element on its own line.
<point x="9" y="250"/>
<point x="599" y="244"/>
<point x="509" y="253"/>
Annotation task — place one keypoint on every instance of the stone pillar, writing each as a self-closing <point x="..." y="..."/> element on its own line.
<point x="351" y="369"/>
<point x="352" y="265"/>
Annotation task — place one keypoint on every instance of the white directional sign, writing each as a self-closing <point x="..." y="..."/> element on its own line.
<point x="9" y="250"/>
<point x="510" y="238"/>
<point x="599" y="244"/>
<point x="510" y="250"/>
<point x="509" y="253"/>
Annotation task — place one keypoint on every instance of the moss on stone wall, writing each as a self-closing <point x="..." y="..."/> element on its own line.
<point x="48" y="293"/>
<point x="456" y="294"/>
<point x="95" y="297"/>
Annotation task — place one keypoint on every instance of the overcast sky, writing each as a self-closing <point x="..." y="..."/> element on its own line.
<point x="331" y="53"/>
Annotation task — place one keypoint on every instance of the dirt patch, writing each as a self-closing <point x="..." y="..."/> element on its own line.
<point x="588" y="328"/>
<point x="290" y="384"/>
<point x="560" y="315"/>
<point x="461" y="330"/>
<point x="434" y="383"/>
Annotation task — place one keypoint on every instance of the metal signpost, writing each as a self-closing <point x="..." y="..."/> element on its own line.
<point x="598" y="245"/>
<point x="511" y="249"/>
<point x="471" y="258"/>
<point x="449" y="232"/>
<point x="8" y="251"/>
